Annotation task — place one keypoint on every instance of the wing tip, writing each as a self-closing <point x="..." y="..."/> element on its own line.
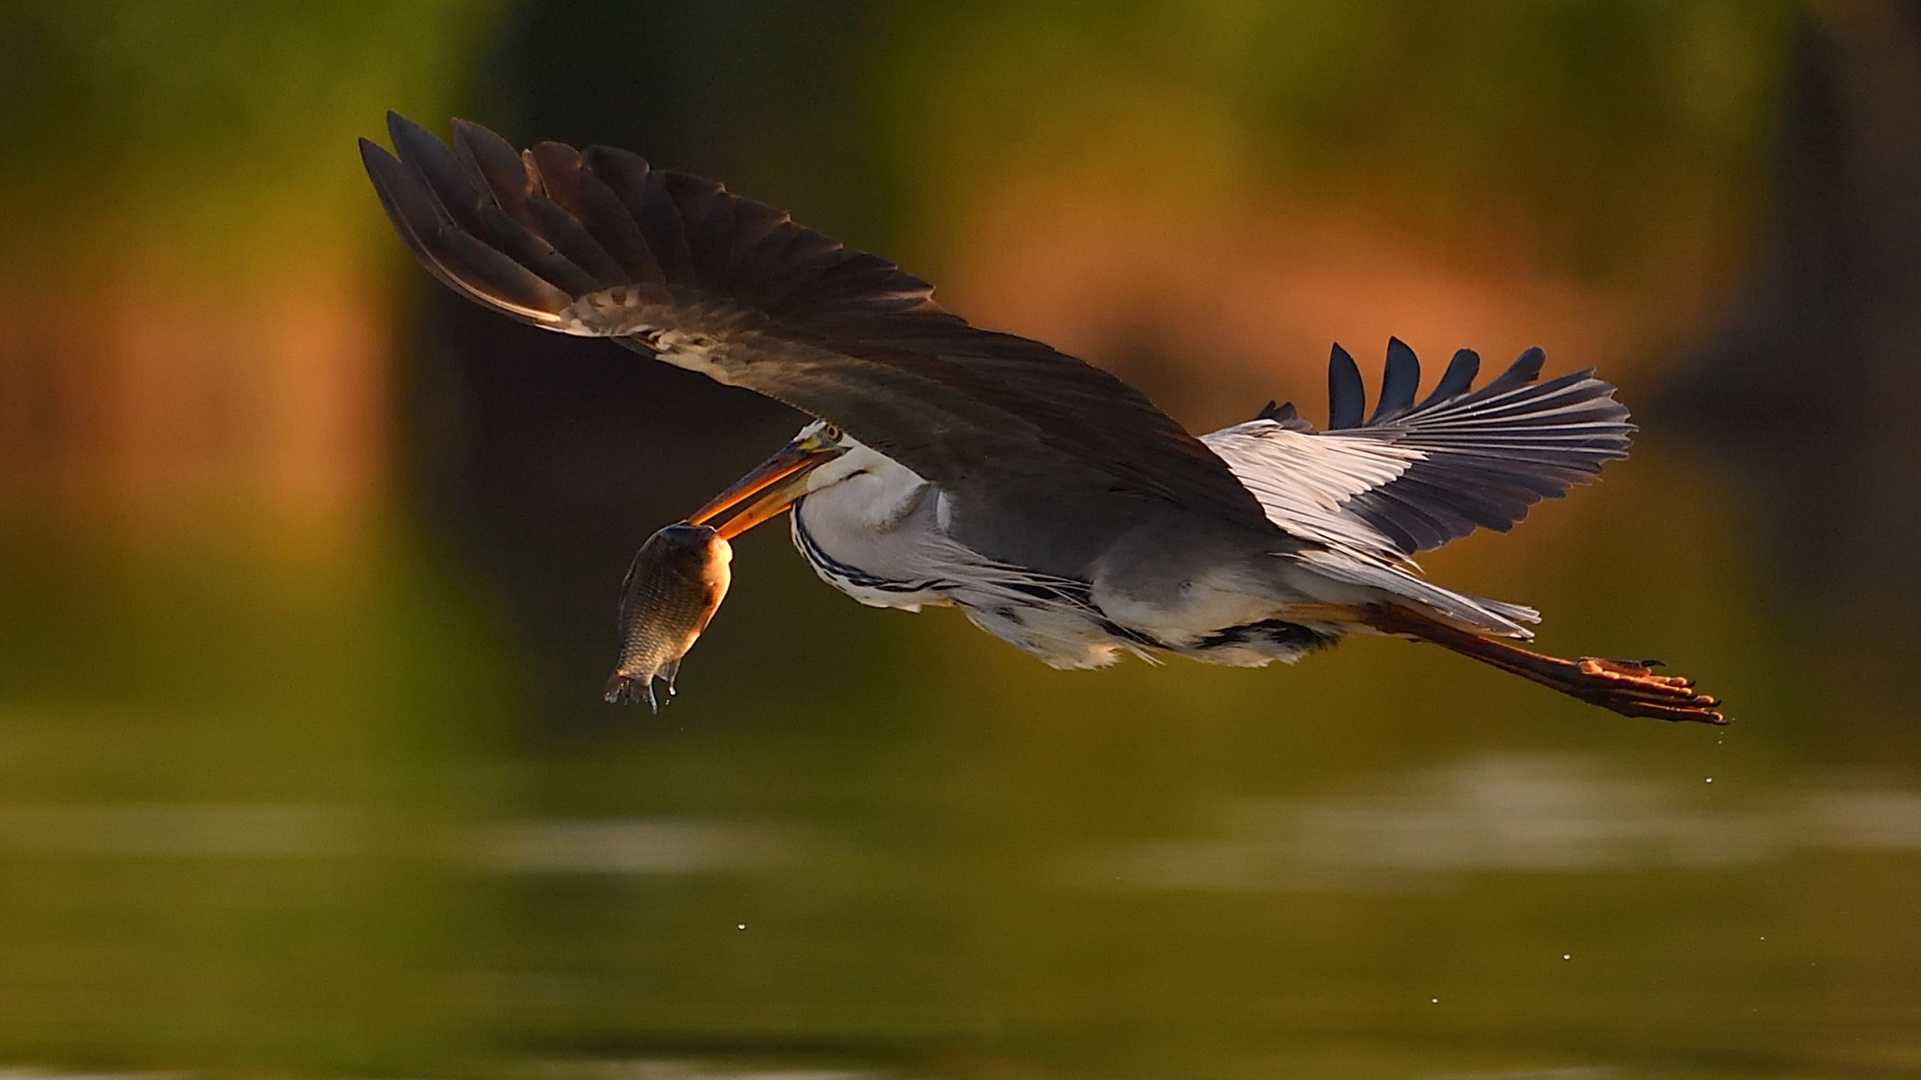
<point x="465" y="263"/>
<point x="1346" y="395"/>
<point x="1400" y="378"/>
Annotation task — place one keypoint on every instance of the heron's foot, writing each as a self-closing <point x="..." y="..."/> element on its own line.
<point x="1631" y="688"/>
<point x="1628" y="687"/>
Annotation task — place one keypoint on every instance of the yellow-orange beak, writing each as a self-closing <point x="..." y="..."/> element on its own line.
<point x="778" y="481"/>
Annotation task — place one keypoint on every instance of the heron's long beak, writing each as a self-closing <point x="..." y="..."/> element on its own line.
<point x="778" y="481"/>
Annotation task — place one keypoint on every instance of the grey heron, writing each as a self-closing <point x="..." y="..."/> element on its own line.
<point x="949" y="465"/>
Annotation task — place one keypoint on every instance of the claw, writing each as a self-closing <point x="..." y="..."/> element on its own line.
<point x="1634" y="690"/>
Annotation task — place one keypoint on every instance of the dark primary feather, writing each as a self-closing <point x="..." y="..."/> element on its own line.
<point x="1414" y="477"/>
<point x="494" y="165"/>
<point x="1456" y="380"/>
<point x="835" y="332"/>
<point x="465" y="264"/>
<point x="1490" y="453"/>
<point x="1346" y="397"/>
<point x="1399" y="379"/>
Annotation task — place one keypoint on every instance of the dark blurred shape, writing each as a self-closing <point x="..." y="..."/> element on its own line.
<point x="1809" y="393"/>
<point x="775" y="99"/>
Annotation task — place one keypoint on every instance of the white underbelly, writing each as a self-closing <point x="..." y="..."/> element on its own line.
<point x="1057" y="634"/>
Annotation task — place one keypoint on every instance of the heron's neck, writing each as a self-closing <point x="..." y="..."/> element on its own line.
<point x="865" y="490"/>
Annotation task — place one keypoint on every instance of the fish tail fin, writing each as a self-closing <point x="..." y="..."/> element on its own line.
<point x="622" y="687"/>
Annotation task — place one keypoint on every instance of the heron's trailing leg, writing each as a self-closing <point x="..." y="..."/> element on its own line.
<point x="1623" y="686"/>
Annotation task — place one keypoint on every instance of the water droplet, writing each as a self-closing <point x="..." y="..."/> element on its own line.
<point x="742" y="926"/>
<point x="1437" y="1001"/>
<point x="1567" y="956"/>
<point x="1710" y="779"/>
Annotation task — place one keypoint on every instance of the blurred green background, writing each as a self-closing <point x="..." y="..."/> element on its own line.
<point x="307" y="568"/>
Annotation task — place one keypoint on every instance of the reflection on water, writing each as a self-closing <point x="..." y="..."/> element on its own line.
<point x="1575" y="1073"/>
<point x="1545" y="814"/>
<point x="686" y="1070"/>
<point x="156" y="830"/>
<point x="637" y="846"/>
<point x="1542" y="813"/>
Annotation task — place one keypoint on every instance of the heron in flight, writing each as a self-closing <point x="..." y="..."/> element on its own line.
<point x="950" y="465"/>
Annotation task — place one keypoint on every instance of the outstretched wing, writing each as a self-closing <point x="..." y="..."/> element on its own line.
<point x="597" y="243"/>
<point x="1413" y="477"/>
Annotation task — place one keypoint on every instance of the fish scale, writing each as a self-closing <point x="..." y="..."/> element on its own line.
<point x="671" y="591"/>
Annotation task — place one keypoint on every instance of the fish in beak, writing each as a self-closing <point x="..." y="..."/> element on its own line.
<point x="778" y="481"/>
<point x="672" y="589"/>
<point x="679" y="578"/>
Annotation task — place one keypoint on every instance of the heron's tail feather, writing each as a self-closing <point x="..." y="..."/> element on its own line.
<point x="1628" y="687"/>
<point x="1472" y="613"/>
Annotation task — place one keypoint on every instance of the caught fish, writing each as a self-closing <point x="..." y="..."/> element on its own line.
<point x="672" y="589"/>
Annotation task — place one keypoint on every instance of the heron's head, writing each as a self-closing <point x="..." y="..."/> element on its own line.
<point x="849" y="458"/>
<point x="820" y="456"/>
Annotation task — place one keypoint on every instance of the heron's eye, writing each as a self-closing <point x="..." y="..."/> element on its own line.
<point x="830" y="433"/>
